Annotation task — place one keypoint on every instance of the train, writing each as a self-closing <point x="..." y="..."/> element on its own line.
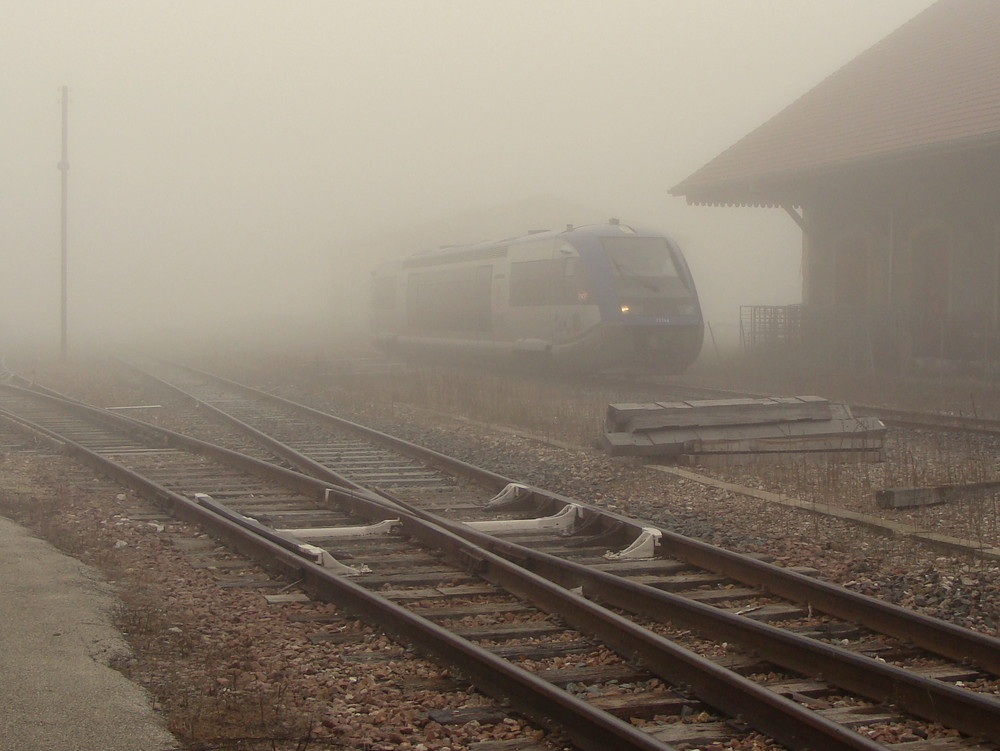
<point x="589" y="299"/>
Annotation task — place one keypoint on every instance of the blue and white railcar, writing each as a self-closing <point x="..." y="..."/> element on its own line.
<point x="600" y="297"/>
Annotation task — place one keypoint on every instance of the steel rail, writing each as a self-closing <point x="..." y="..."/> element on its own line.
<point x="537" y="699"/>
<point x="434" y="458"/>
<point x="935" y="420"/>
<point x="973" y="713"/>
<point x="771" y="713"/>
<point x="933" y="634"/>
<point x="970" y="712"/>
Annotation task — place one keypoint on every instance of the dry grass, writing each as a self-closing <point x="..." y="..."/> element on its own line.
<point x="535" y="403"/>
<point x="574" y="412"/>
<point x="948" y="388"/>
<point x="166" y="658"/>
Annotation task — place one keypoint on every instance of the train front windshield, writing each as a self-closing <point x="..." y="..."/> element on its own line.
<point x="643" y="266"/>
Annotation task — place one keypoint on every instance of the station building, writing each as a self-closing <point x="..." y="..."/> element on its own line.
<point x="891" y="167"/>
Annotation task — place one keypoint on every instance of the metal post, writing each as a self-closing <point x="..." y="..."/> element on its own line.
<point x="64" y="168"/>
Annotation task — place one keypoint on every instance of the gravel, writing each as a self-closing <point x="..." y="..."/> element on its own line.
<point x="211" y="655"/>
<point x="842" y="552"/>
<point x="226" y="668"/>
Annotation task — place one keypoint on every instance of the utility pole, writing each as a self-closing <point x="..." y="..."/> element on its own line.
<point x="64" y="168"/>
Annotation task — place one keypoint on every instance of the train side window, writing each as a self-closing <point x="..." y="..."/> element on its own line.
<point x="558" y="281"/>
<point x="531" y="283"/>
<point x="450" y="299"/>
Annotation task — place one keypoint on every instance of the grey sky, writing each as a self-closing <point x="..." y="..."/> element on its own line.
<point x="227" y="156"/>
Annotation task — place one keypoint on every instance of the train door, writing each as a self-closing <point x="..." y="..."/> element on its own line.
<point x="573" y="310"/>
<point x="527" y="321"/>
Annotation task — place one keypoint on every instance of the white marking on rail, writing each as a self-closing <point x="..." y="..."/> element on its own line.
<point x="385" y="527"/>
<point x="642" y="548"/>
<point x="563" y="520"/>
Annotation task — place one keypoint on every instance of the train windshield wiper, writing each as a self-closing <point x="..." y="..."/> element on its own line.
<point x="630" y="273"/>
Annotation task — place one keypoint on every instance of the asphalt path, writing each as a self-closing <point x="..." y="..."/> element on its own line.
<point x="57" y="691"/>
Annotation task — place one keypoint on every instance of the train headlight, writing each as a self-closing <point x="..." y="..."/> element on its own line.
<point x="626" y="308"/>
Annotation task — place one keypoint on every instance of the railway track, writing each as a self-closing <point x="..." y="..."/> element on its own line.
<point x="205" y="485"/>
<point x="644" y="586"/>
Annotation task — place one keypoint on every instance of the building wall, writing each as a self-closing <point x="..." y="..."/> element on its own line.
<point x="904" y="271"/>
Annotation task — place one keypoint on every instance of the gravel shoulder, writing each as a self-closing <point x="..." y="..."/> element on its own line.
<point x="956" y="587"/>
<point x="209" y="658"/>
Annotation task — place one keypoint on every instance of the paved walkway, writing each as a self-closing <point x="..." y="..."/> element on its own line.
<point x="56" y="691"/>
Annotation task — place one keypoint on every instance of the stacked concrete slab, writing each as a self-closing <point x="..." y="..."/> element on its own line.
<point x="734" y="431"/>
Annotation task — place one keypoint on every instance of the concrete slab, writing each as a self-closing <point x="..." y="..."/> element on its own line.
<point x="56" y="639"/>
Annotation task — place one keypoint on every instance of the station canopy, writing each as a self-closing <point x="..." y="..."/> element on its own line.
<point x="930" y="87"/>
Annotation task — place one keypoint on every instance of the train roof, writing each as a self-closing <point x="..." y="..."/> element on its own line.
<point x="498" y="248"/>
<point x="611" y="229"/>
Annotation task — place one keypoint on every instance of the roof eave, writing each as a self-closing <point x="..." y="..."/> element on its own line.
<point x="775" y="189"/>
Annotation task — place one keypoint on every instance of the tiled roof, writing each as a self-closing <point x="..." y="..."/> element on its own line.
<point x="934" y="82"/>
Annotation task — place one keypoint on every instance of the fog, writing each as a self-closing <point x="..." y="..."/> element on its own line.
<point x="240" y="167"/>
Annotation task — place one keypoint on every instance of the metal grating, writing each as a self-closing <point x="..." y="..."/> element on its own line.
<point x="769" y="326"/>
